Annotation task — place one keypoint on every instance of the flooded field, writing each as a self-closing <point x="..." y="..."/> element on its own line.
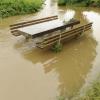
<point x="29" y="73"/>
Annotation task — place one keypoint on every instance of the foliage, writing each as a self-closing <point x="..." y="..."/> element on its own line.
<point x="61" y="97"/>
<point x="98" y="3"/>
<point x="92" y="92"/>
<point x="17" y="7"/>
<point x="61" y="2"/>
<point x="57" y="47"/>
<point x="93" y="3"/>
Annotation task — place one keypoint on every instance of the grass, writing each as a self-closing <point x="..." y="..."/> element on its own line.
<point x="18" y="7"/>
<point x="94" y="92"/>
<point x="57" y="47"/>
<point x="93" y="3"/>
<point x="91" y="92"/>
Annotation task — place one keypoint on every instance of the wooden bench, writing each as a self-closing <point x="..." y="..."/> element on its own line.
<point x="50" y="40"/>
<point x="14" y="27"/>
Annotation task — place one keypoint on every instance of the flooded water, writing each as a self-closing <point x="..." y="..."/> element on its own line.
<point x="29" y="73"/>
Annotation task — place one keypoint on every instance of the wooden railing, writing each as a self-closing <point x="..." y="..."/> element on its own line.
<point x="64" y="35"/>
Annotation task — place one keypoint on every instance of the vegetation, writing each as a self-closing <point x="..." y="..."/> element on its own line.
<point x="93" y="93"/>
<point x="94" y="3"/>
<point x="61" y="98"/>
<point x="57" y="47"/>
<point x="17" y="7"/>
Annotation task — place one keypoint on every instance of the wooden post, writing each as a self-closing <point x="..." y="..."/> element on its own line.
<point x="83" y="28"/>
<point x="59" y="38"/>
<point x="60" y="35"/>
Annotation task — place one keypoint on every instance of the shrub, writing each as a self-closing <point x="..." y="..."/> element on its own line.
<point x="57" y="47"/>
<point x="17" y="7"/>
<point x="61" y="2"/>
<point x="84" y="2"/>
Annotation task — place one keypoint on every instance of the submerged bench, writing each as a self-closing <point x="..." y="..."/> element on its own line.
<point x="63" y="36"/>
<point x="47" y="26"/>
<point x="14" y="28"/>
<point x="40" y="27"/>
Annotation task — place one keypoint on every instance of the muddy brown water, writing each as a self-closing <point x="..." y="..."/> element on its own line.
<point x="29" y="73"/>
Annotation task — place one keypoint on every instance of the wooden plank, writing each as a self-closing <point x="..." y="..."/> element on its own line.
<point x="32" y="23"/>
<point x="65" y="35"/>
<point x="29" y="29"/>
<point x="14" y="27"/>
<point x="35" y="20"/>
<point x="57" y="38"/>
<point x="70" y="31"/>
<point x="46" y="40"/>
<point x="52" y="42"/>
<point x="23" y="24"/>
<point x="56" y="29"/>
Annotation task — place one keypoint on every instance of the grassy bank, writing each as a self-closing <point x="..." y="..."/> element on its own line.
<point x="93" y="92"/>
<point x="93" y="3"/>
<point x="18" y="7"/>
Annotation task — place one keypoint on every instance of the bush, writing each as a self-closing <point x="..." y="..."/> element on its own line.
<point x="84" y="2"/>
<point x="17" y="7"/>
<point x="98" y="3"/>
<point x="64" y="2"/>
<point x="92" y="92"/>
<point x="57" y="47"/>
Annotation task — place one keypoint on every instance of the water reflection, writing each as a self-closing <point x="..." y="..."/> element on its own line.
<point x="50" y="8"/>
<point x="69" y="15"/>
<point x="93" y="16"/>
<point x="72" y="64"/>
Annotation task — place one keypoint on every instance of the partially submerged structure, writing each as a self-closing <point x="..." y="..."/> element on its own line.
<point x="49" y="30"/>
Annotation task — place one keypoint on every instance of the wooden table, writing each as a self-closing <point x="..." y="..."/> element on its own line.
<point x="39" y="29"/>
<point x="45" y="27"/>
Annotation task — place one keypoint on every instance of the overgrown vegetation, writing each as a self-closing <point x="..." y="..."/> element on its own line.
<point x="57" y="47"/>
<point x="93" y="93"/>
<point x="17" y="7"/>
<point x="93" y="3"/>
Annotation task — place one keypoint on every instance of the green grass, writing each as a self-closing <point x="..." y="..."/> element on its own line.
<point x="18" y="7"/>
<point x="57" y="47"/>
<point x="90" y="92"/>
<point x="93" y="93"/>
<point x="94" y="3"/>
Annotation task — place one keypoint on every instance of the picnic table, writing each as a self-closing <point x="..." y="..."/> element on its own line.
<point x="42" y="26"/>
<point x="50" y="30"/>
